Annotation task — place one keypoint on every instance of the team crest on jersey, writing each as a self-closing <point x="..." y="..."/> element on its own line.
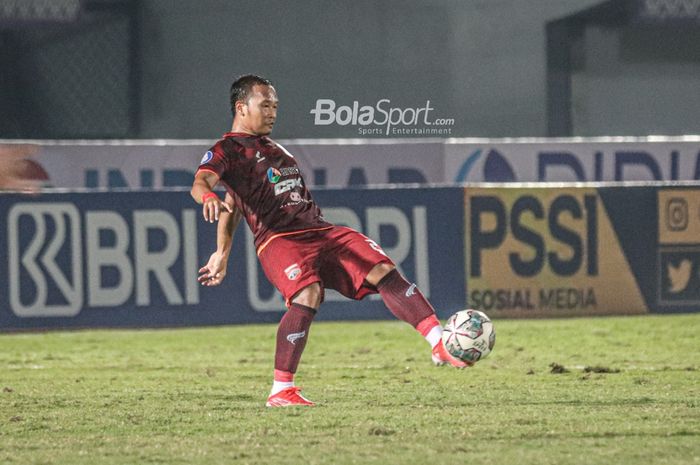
<point x="292" y="271"/>
<point x="273" y="175"/>
<point x="206" y="158"/>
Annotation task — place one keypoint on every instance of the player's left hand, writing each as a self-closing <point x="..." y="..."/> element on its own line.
<point x="214" y="272"/>
<point x="212" y="207"/>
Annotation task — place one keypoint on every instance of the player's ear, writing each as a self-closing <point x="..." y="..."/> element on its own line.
<point x="240" y="107"/>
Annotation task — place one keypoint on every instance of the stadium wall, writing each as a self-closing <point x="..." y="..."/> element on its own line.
<point x="408" y="52"/>
<point x="483" y="63"/>
<point x="130" y="259"/>
<point x="483" y="67"/>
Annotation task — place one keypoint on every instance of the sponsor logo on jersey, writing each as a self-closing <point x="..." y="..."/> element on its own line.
<point x="273" y="175"/>
<point x="287" y="185"/>
<point x="295" y="198"/>
<point x="206" y="158"/>
<point x="258" y="157"/>
<point x="289" y="171"/>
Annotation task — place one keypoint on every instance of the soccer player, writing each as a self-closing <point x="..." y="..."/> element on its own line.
<point x="300" y="252"/>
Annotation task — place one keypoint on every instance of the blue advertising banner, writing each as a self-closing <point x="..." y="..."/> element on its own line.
<point x="130" y="259"/>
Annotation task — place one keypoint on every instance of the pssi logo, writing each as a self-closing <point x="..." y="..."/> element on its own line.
<point x="534" y="250"/>
<point x="560" y="234"/>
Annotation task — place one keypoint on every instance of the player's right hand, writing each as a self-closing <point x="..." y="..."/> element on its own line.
<point x="211" y="208"/>
<point x="214" y="272"/>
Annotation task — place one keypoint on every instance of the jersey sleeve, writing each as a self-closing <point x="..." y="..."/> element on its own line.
<point x="214" y="161"/>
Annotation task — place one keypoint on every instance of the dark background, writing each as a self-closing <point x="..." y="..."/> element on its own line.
<point x="162" y="69"/>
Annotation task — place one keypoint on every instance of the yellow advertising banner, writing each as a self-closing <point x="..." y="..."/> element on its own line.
<point x="545" y="252"/>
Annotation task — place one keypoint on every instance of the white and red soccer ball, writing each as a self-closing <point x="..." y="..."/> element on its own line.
<point x="469" y="335"/>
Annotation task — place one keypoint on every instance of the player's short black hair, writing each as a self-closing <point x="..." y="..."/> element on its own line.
<point x="242" y="88"/>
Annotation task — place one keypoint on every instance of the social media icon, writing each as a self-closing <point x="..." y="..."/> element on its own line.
<point x="679" y="275"/>
<point x="676" y="214"/>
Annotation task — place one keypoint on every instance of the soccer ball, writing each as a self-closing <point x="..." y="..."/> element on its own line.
<point x="469" y="335"/>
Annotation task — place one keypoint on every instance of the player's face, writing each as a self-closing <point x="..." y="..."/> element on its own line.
<point x="258" y="115"/>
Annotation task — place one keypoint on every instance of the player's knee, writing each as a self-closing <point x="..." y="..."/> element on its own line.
<point x="310" y="296"/>
<point x="378" y="272"/>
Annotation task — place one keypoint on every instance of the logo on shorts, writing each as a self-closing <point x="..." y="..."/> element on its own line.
<point x="273" y="175"/>
<point x="375" y="246"/>
<point x="411" y="290"/>
<point x="206" y="158"/>
<point x="292" y="271"/>
<point x="294" y="336"/>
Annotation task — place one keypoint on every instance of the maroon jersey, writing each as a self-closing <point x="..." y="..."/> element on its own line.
<point x="266" y="185"/>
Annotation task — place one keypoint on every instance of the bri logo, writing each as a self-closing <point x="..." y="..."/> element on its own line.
<point x="273" y="175"/>
<point x="56" y="227"/>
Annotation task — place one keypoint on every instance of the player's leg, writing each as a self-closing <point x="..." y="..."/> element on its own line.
<point x="408" y="304"/>
<point x="292" y="334"/>
<point x="357" y="266"/>
<point x="290" y="265"/>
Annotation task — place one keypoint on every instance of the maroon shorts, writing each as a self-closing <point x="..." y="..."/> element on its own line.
<point x="338" y="258"/>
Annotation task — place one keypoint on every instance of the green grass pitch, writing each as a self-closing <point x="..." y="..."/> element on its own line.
<point x="196" y="396"/>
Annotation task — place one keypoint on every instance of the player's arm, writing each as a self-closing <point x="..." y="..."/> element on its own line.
<point x="203" y="193"/>
<point x="228" y="222"/>
<point x="214" y="272"/>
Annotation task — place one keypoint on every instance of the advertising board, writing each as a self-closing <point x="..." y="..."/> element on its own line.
<point x="114" y="259"/>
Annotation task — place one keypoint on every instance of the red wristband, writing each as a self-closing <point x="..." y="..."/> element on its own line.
<point x="209" y="195"/>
